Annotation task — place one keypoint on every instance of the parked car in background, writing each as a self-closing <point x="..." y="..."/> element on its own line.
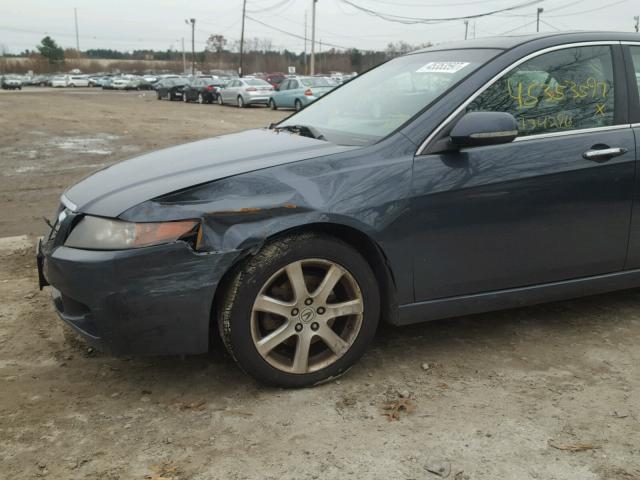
<point x="202" y="90"/>
<point x="170" y="88"/>
<point x="94" y="81"/>
<point x="151" y="79"/>
<point x="298" y="92"/>
<point x="60" y="81"/>
<point x="39" y="81"/>
<point x="245" y="91"/>
<point x="107" y="83"/>
<point x="130" y="82"/>
<point x="78" y="81"/>
<point x="275" y="79"/>
<point x="10" y="82"/>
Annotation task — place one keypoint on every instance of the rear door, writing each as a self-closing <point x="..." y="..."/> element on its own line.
<point x="228" y="94"/>
<point x="293" y="92"/>
<point x="632" y="62"/>
<point x="280" y="96"/>
<point x="551" y="206"/>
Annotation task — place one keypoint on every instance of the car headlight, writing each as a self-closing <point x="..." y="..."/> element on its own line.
<point x="95" y="233"/>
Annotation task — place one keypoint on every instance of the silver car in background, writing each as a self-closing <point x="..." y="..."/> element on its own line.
<point x="245" y="91"/>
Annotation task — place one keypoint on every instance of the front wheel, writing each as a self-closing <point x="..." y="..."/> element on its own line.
<point x="240" y="102"/>
<point x="272" y="104"/>
<point x="301" y="311"/>
<point x="200" y="99"/>
<point x="220" y="102"/>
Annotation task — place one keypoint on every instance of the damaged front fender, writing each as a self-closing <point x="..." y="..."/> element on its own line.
<point x="351" y="189"/>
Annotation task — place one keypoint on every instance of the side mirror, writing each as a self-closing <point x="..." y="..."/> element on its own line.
<point x="484" y="128"/>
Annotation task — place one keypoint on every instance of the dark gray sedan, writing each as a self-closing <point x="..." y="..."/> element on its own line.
<point x="493" y="173"/>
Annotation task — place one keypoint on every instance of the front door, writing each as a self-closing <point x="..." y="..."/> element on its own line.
<point x="550" y="206"/>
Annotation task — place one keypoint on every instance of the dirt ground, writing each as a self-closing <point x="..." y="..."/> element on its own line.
<point x="548" y="392"/>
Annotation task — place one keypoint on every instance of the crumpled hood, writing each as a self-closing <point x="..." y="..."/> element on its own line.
<point x="111" y="191"/>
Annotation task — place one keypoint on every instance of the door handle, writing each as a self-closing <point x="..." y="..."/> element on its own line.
<point x="603" y="154"/>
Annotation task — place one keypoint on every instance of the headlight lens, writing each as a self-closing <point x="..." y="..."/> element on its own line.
<point x="95" y="233"/>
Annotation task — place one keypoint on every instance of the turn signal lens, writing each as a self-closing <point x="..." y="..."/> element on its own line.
<point x="155" y="233"/>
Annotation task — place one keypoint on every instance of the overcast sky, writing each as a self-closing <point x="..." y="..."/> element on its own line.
<point x="159" y="24"/>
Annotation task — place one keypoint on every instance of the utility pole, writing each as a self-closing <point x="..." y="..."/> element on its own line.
<point x="637" y="19"/>
<point x="313" y="37"/>
<point x="184" y="58"/>
<point x="193" y="47"/>
<point x="540" y="10"/>
<point x="244" y="9"/>
<point x="75" y="16"/>
<point x="192" y="22"/>
<point x="306" y="69"/>
<point x="466" y="28"/>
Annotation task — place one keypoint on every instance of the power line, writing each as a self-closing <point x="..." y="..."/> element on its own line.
<point x="589" y="11"/>
<point x="414" y="20"/>
<point x="276" y="6"/>
<point x="549" y="25"/>
<point x="570" y="4"/>
<point x="518" y="28"/>
<point x="300" y="37"/>
<point x="435" y="5"/>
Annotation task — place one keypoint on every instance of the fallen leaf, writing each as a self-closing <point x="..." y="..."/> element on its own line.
<point x="576" y="447"/>
<point x="394" y="408"/>
<point x="195" y="406"/>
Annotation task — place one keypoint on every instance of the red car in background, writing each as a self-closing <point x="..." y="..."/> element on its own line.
<point x="275" y="79"/>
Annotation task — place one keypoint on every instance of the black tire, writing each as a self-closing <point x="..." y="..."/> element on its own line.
<point x="298" y="105"/>
<point x="235" y="308"/>
<point x="172" y="97"/>
<point x="272" y="104"/>
<point x="159" y="96"/>
<point x="240" y="102"/>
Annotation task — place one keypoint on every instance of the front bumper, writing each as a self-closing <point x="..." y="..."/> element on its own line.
<point x="148" y="301"/>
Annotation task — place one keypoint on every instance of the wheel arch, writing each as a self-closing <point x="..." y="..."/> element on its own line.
<point x="370" y="249"/>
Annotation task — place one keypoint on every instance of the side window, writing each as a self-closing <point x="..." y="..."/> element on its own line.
<point x="284" y="85"/>
<point x="293" y="84"/>
<point x="561" y="90"/>
<point x="635" y="55"/>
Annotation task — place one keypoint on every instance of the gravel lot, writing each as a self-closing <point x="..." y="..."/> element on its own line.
<point x="548" y="392"/>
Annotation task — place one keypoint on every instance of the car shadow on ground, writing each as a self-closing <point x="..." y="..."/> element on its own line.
<point x="567" y="328"/>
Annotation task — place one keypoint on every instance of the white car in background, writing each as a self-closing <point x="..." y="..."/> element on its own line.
<point x="78" y="81"/>
<point x="60" y="81"/>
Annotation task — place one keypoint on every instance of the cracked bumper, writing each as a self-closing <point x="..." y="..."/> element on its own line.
<point x="149" y="301"/>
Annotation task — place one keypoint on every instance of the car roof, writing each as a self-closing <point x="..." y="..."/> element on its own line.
<point x="507" y="42"/>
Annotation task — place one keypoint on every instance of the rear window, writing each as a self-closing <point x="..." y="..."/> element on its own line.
<point x="256" y="83"/>
<point x="315" y="82"/>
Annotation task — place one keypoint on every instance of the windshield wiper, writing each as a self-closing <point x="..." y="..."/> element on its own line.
<point x="304" y="130"/>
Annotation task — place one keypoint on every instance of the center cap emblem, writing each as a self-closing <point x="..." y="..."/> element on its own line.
<point x="307" y="315"/>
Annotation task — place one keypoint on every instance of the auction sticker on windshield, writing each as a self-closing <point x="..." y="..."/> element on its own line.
<point x="442" y="67"/>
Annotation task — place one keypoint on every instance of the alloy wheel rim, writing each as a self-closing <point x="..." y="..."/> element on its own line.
<point x="307" y="316"/>
<point x="200" y="99"/>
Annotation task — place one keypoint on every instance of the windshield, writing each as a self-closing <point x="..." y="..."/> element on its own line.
<point x="373" y="105"/>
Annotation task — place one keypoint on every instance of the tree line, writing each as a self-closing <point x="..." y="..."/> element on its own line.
<point x="219" y="54"/>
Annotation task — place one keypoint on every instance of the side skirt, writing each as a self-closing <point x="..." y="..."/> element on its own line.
<point x="516" y="297"/>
